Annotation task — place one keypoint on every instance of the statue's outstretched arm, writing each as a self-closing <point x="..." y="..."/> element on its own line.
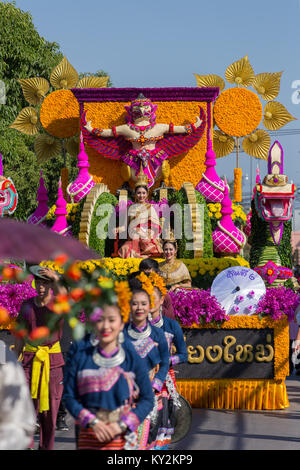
<point x="113" y="132"/>
<point x="185" y="129"/>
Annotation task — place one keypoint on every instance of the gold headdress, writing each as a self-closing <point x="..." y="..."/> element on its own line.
<point x="142" y="179"/>
<point x="170" y="239"/>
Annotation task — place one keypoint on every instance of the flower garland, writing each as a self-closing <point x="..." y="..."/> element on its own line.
<point x="158" y="281"/>
<point x="147" y="286"/>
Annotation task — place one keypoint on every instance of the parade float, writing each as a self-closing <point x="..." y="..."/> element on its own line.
<point x="238" y="351"/>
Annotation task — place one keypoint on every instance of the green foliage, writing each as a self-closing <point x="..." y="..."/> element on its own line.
<point x="96" y="243"/>
<point x="99" y="73"/>
<point x="260" y="239"/>
<point x="25" y="54"/>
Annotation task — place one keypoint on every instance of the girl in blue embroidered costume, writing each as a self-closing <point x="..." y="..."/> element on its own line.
<point x="151" y="345"/>
<point x="175" y="339"/>
<point x="107" y="389"/>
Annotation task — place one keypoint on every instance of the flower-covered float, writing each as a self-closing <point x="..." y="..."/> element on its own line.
<point x="163" y="137"/>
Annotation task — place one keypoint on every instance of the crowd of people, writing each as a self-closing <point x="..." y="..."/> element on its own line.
<point x="117" y="382"/>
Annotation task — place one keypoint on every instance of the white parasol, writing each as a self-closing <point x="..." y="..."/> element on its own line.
<point x="238" y="290"/>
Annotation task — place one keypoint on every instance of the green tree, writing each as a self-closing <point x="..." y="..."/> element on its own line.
<point x="24" y="54"/>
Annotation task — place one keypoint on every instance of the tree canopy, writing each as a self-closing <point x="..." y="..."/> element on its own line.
<point x="25" y="54"/>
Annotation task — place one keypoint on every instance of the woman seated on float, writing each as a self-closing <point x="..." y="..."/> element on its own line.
<point x="174" y="271"/>
<point x="151" y="345"/>
<point x="143" y="225"/>
<point x="174" y="337"/>
<point x="106" y="386"/>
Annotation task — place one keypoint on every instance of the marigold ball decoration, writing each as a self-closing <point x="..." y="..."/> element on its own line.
<point x="267" y="85"/>
<point x="257" y="144"/>
<point x="64" y="75"/>
<point x="34" y="89"/>
<point x="237" y="111"/>
<point x="240" y="72"/>
<point x="276" y="116"/>
<point x="238" y="185"/>
<point x="46" y="147"/>
<point x="26" y="121"/>
<point x="222" y="144"/>
<point x="59" y="114"/>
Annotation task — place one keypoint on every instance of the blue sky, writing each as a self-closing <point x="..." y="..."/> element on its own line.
<point x="161" y="43"/>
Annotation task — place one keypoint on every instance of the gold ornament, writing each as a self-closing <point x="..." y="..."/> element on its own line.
<point x="223" y="144"/>
<point x="165" y="170"/>
<point x="64" y="75"/>
<point x="125" y="172"/>
<point x="240" y="72"/>
<point x="46" y="147"/>
<point x="257" y="144"/>
<point x="142" y="179"/>
<point x="276" y="116"/>
<point x="92" y="82"/>
<point x="34" y="89"/>
<point x="267" y="85"/>
<point x="26" y="121"/>
<point x="210" y="81"/>
<point x="72" y="146"/>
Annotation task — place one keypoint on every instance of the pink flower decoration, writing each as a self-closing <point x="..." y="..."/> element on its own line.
<point x="96" y="314"/>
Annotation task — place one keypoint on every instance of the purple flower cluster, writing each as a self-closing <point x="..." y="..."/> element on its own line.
<point x="197" y="306"/>
<point x="277" y="302"/>
<point x="13" y="295"/>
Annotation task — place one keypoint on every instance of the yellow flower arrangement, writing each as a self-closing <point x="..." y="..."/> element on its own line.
<point x="238" y="212"/>
<point x="71" y="209"/>
<point x="121" y="268"/>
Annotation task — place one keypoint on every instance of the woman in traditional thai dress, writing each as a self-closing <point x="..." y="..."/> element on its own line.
<point x="107" y="388"/>
<point x="178" y="354"/>
<point x="143" y="225"/>
<point x="151" y="345"/>
<point x="174" y="271"/>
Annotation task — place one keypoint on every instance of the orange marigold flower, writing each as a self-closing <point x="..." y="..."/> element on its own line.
<point x="39" y="333"/>
<point x="74" y="272"/>
<point x="60" y="260"/>
<point x="4" y="316"/>
<point x="21" y="333"/>
<point x="95" y="292"/>
<point x="8" y="273"/>
<point x="77" y="294"/>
